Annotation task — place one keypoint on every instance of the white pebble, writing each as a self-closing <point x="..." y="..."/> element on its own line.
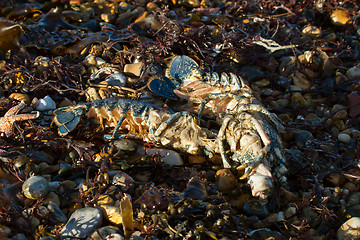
<point x="343" y="137"/>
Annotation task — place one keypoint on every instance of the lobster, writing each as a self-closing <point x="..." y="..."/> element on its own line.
<point x="250" y="130"/>
<point x="139" y="119"/>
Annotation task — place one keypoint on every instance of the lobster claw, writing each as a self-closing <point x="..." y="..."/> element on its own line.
<point x="162" y="86"/>
<point x="182" y="67"/>
<point x="67" y="119"/>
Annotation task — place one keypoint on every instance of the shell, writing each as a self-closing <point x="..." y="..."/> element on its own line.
<point x="21" y="97"/>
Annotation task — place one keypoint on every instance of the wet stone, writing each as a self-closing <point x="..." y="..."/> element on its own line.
<point x="35" y="187"/>
<point x="45" y="103"/>
<point x="112" y="213"/>
<point x="264" y="233"/>
<point x="103" y="232"/>
<point x="344" y="138"/>
<point x="123" y="180"/>
<point x="255" y="208"/>
<point x="350" y="229"/>
<point x="301" y="137"/>
<point x="311" y="31"/>
<point x="225" y="180"/>
<point x="82" y="222"/>
<point x="168" y="156"/>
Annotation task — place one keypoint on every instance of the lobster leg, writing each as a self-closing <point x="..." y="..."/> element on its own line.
<point x="216" y="96"/>
<point x="252" y="107"/>
<point x="168" y="122"/>
<point x="220" y="140"/>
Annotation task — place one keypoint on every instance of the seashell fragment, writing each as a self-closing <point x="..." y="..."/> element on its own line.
<point x="45" y="103"/>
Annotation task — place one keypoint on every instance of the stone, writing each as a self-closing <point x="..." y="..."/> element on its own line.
<point x="35" y="187"/>
<point x="123" y="180"/>
<point x="116" y="79"/>
<point x="4" y="231"/>
<point x="143" y="176"/>
<point x="353" y="73"/>
<point x="103" y="232"/>
<point x="311" y="31"/>
<point x="344" y="138"/>
<point x="168" y="156"/>
<point x="133" y="69"/>
<point x="225" y="180"/>
<point x="255" y="208"/>
<point x="301" y="137"/>
<point x="335" y="179"/>
<point x="82" y="222"/>
<point x="44" y="104"/>
<point x="52" y="197"/>
<point x="196" y="159"/>
<point x="105" y="200"/>
<point x="264" y="233"/>
<point x="350" y="229"/>
<point x="56" y="213"/>
<point x="301" y="80"/>
<point x="112" y="213"/>
<point x="299" y="100"/>
<point x="340" y="17"/>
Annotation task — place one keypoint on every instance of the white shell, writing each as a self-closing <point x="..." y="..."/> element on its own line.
<point x="45" y="103"/>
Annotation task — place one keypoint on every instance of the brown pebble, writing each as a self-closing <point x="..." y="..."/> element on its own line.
<point x="350" y="186"/>
<point x="133" y="68"/>
<point x="300" y="80"/>
<point x="340" y="17"/>
<point x="196" y="159"/>
<point x="336" y="179"/>
<point x="225" y="180"/>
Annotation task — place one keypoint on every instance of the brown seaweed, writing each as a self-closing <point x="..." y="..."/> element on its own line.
<point x="10" y="33"/>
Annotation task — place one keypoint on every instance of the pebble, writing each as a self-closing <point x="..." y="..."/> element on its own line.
<point x="19" y="236"/>
<point x="264" y="233"/>
<point x="35" y="187"/>
<point x="82" y="222"/>
<point x="255" y="208"/>
<point x="290" y="211"/>
<point x="112" y="213"/>
<point x="196" y="159"/>
<point x="311" y="31"/>
<point x="52" y="197"/>
<point x="116" y="79"/>
<point x="56" y="213"/>
<point x="103" y="232"/>
<point x="4" y="231"/>
<point x="125" y="145"/>
<point x="105" y="200"/>
<point x="344" y="138"/>
<point x="335" y="179"/>
<point x="251" y="72"/>
<point x="340" y="17"/>
<point x="225" y="180"/>
<point x="123" y="180"/>
<point x="115" y="236"/>
<point x="353" y="73"/>
<point x="298" y="99"/>
<point x="350" y="229"/>
<point x="301" y="137"/>
<point x="133" y="69"/>
<point x="195" y="189"/>
<point x="45" y="103"/>
<point x="300" y="80"/>
<point x="168" y="156"/>
<point x="143" y="176"/>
